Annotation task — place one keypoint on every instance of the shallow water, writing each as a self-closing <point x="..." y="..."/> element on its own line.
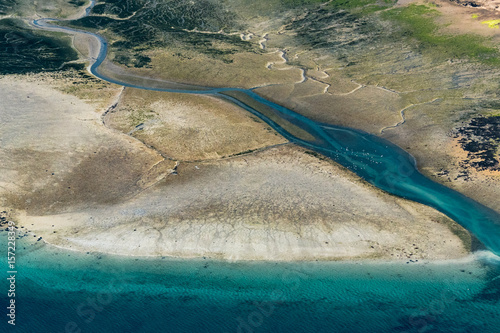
<point x="100" y="293"/>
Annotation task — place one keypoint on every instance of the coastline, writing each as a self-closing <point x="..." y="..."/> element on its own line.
<point x="145" y="211"/>
<point x="470" y="257"/>
<point x="35" y="242"/>
<point x="215" y="296"/>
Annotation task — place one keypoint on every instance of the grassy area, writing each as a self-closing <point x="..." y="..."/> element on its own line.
<point x="361" y="7"/>
<point x="334" y="32"/>
<point x="119" y="8"/>
<point x="417" y="23"/>
<point x="296" y="3"/>
<point x="139" y="116"/>
<point x="136" y="26"/>
<point x="140" y="25"/>
<point x="7" y="6"/>
<point x="44" y="8"/>
<point x="337" y="4"/>
<point x="23" y="50"/>
<point x="349" y="4"/>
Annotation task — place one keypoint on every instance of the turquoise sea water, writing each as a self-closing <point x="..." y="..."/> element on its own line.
<point x="65" y="291"/>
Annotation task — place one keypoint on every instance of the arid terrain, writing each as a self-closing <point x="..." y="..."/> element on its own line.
<point x="86" y="186"/>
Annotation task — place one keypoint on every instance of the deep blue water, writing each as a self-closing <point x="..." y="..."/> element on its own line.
<point x="98" y="293"/>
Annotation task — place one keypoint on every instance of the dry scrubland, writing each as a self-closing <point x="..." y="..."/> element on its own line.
<point x="189" y="128"/>
<point x="79" y="184"/>
<point x="247" y="70"/>
<point x="66" y="9"/>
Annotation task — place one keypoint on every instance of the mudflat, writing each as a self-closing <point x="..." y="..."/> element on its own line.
<point x="84" y="186"/>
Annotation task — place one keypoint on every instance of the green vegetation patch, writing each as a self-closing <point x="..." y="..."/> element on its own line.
<point x="41" y="8"/>
<point x="77" y="3"/>
<point x="7" y="6"/>
<point x="120" y="8"/>
<point x="417" y="22"/>
<point x="336" y="31"/>
<point x="360" y="7"/>
<point x="168" y="15"/>
<point x="139" y="116"/>
<point x="23" y="50"/>
<point x="350" y="5"/>
<point x="297" y="3"/>
<point x="140" y="25"/>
